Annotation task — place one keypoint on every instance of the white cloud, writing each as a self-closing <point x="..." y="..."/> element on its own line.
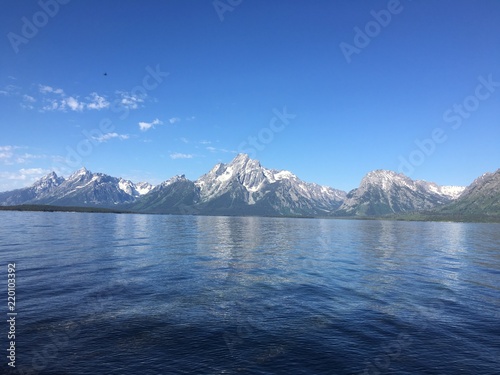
<point x="173" y="120"/>
<point x="21" y="178"/>
<point x="8" y="148"/>
<point x="148" y="125"/>
<point x="25" y="174"/>
<point x="73" y="104"/>
<point x="205" y="142"/>
<point x="28" y="98"/>
<point x="214" y="149"/>
<point x="178" y="155"/>
<point x="28" y="102"/>
<point x="44" y="89"/>
<point x="7" y="154"/>
<point x="106" y="137"/>
<point x="10" y="156"/>
<point x="10" y="90"/>
<point x="52" y="106"/>
<point x="129" y="101"/>
<point x="97" y="102"/>
<point x="92" y="102"/>
<point x="24" y="158"/>
<point x="6" y="157"/>
<point x="33" y="171"/>
<point x="184" y="140"/>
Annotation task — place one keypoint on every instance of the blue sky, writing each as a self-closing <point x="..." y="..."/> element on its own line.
<point x="329" y="90"/>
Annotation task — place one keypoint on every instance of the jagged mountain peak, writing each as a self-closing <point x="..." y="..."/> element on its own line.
<point x="485" y="177"/>
<point x="51" y="176"/>
<point x="384" y="179"/>
<point x="384" y="174"/>
<point x="383" y="192"/>
<point x="80" y="173"/>
<point x="47" y="183"/>
<point x="241" y="158"/>
<point x="244" y="162"/>
<point x="243" y="186"/>
<point x="481" y="197"/>
<point x="245" y="182"/>
<point x="177" y="178"/>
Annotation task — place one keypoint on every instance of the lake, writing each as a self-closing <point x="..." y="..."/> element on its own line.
<point x="159" y="294"/>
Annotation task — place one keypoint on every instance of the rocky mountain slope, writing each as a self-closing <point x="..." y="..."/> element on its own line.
<point x="241" y="187"/>
<point x="244" y="187"/>
<point x="82" y="188"/>
<point x="482" y="197"/>
<point x="384" y="192"/>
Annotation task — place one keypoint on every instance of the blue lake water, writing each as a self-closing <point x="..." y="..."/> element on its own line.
<point x="155" y="294"/>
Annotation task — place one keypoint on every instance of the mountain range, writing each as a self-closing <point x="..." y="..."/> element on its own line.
<point x="245" y="187"/>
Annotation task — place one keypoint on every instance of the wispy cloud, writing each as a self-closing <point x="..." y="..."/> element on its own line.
<point x="215" y="149"/>
<point x="28" y="98"/>
<point x="129" y="100"/>
<point x="25" y="173"/>
<point x="148" y="125"/>
<point x="26" y="157"/>
<point x="51" y="98"/>
<point x="6" y="154"/>
<point x="184" y="140"/>
<point x="72" y="103"/>
<point x="106" y="137"/>
<point x="28" y="102"/>
<point x="178" y="155"/>
<point x="12" y="155"/>
<point x="52" y="105"/>
<point x="20" y="178"/>
<point x="174" y="120"/>
<point x="10" y="90"/>
<point x="97" y="102"/>
<point x="44" y="89"/>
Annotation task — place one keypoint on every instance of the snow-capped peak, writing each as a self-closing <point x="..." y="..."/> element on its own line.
<point x="47" y="183"/>
<point x="79" y="173"/>
<point x="174" y="179"/>
<point x="241" y="158"/>
<point x="143" y="187"/>
<point x="384" y="179"/>
<point x="249" y="180"/>
<point x="136" y="190"/>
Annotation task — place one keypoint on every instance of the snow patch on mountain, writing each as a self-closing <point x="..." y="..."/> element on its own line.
<point x="382" y="192"/>
<point x="252" y="183"/>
